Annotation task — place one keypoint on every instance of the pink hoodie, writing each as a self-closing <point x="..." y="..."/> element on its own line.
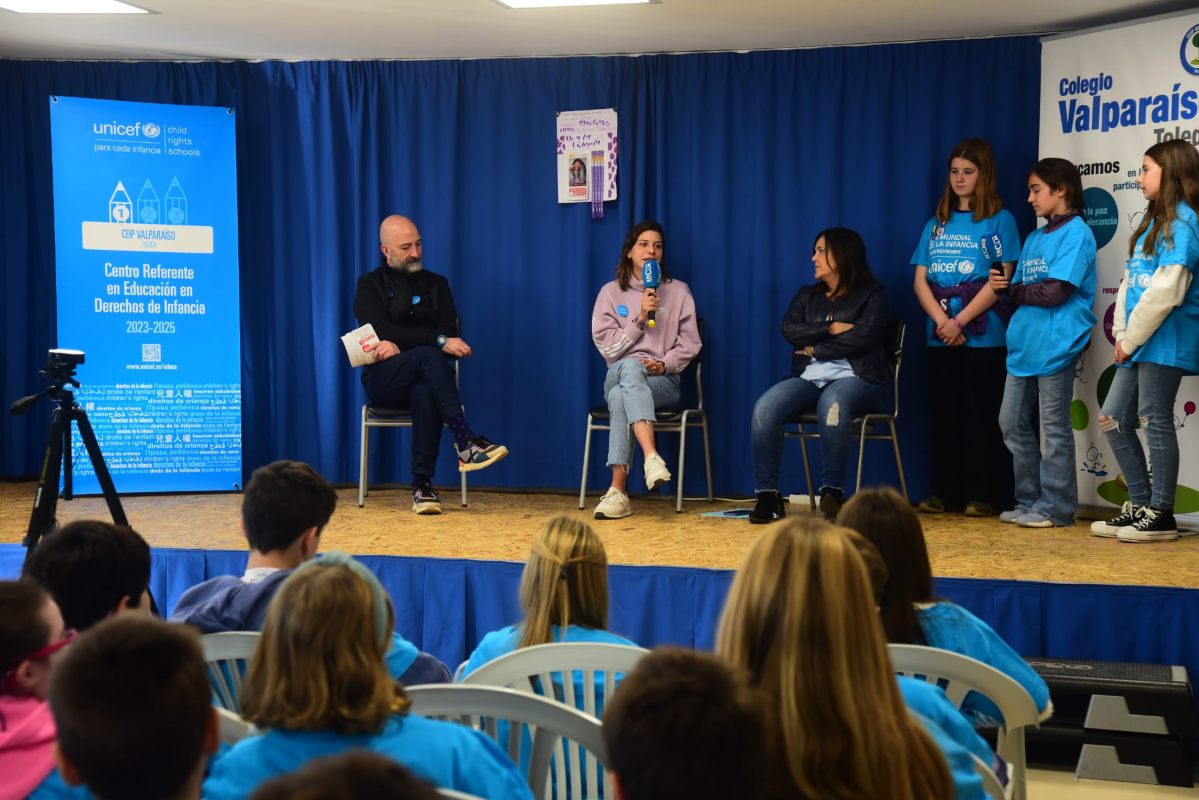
<point x="674" y="340"/>
<point x="26" y="745"/>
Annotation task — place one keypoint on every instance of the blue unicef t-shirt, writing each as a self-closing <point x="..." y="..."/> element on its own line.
<point x="1042" y="341"/>
<point x="952" y="254"/>
<point x="1175" y="343"/>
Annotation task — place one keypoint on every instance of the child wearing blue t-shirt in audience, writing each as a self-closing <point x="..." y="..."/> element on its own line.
<point x="1052" y="289"/>
<point x="1156" y="329"/>
<point x="969" y="232"/>
<point x="563" y="593"/>
<point x="318" y="686"/>
<point x="912" y="615"/>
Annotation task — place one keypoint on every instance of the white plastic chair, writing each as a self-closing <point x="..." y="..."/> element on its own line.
<point x="959" y="675"/>
<point x="558" y="733"/>
<point x="233" y="728"/>
<point x="228" y="655"/>
<point x="458" y="795"/>
<point x="991" y="784"/>
<point x="565" y="666"/>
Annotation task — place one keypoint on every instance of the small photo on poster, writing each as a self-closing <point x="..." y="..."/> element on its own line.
<point x="576" y="175"/>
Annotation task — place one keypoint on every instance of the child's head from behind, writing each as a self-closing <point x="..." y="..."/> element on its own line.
<point x="801" y="618"/>
<point x="93" y="569"/>
<point x="890" y="523"/>
<point x="565" y="581"/>
<point x="132" y="705"/>
<point x="284" y="502"/>
<point x="320" y="662"/>
<point x="685" y="724"/>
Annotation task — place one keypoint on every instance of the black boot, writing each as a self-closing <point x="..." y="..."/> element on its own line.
<point x="768" y="508"/>
<point x="830" y="502"/>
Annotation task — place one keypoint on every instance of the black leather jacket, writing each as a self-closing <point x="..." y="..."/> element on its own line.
<point x="865" y="345"/>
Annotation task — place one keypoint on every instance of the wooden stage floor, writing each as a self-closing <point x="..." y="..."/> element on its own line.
<point x="500" y="525"/>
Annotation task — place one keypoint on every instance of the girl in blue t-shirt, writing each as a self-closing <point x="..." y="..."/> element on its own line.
<point x="563" y="593"/>
<point x="318" y="686"/>
<point x="1156" y="330"/>
<point x="1052" y="289"/>
<point x="969" y="233"/>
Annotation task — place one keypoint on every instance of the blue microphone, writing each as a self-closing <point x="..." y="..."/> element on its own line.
<point x="992" y="249"/>
<point x="651" y="277"/>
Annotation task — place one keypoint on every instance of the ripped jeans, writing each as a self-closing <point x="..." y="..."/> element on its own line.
<point x="835" y="405"/>
<point x="1144" y="390"/>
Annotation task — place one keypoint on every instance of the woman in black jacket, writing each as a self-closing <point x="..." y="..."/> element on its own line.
<point x="839" y="369"/>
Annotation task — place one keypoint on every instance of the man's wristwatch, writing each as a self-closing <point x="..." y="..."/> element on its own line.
<point x="441" y="340"/>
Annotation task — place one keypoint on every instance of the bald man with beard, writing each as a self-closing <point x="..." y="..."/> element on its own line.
<point x="412" y="311"/>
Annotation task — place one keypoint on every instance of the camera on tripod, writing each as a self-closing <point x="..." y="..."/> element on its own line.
<point x="59" y="372"/>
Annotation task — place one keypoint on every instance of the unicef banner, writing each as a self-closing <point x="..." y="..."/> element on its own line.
<point x="145" y="213"/>
<point x="1106" y="96"/>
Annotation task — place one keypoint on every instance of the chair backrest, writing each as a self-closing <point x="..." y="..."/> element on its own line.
<point x="233" y="728"/>
<point x="557" y="731"/>
<point x="567" y="667"/>
<point x="959" y="675"/>
<point x="991" y="783"/>
<point x="227" y="656"/>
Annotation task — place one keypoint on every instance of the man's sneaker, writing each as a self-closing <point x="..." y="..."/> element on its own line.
<point x="1154" y="525"/>
<point x="613" y="505"/>
<point x="656" y="473"/>
<point x="1035" y="519"/>
<point x="480" y="453"/>
<point x="425" y="500"/>
<point x="1010" y="517"/>
<point x="768" y="508"/>
<point x="830" y="502"/>
<point x="1109" y="528"/>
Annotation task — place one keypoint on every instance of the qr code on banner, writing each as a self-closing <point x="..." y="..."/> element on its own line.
<point x="151" y="352"/>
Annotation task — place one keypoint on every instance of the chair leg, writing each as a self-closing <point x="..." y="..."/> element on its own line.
<point x="861" y="454"/>
<point x="903" y="482"/>
<point x="678" y="505"/>
<point x="462" y="478"/>
<point x="362" y="458"/>
<point x="807" y="468"/>
<point x="707" y="456"/>
<point x="586" y="461"/>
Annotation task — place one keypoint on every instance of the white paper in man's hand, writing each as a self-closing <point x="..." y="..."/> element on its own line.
<point x="356" y="343"/>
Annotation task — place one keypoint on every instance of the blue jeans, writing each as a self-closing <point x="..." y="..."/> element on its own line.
<point x="1154" y="388"/>
<point x="1046" y="484"/>
<point x="632" y="396"/>
<point x="836" y="404"/>
<point x="420" y="379"/>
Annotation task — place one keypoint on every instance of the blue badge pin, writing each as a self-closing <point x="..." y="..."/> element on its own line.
<point x="415" y="299"/>
<point x="622" y="310"/>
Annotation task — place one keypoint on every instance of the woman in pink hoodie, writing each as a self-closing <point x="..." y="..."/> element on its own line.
<point x="647" y="336"/>
<point x="31" y="633"/>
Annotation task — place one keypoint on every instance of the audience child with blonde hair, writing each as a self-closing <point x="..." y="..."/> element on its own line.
<point x="801" y="619"/>
<point x="563" y="593"/>
<point x="318" y="686"/>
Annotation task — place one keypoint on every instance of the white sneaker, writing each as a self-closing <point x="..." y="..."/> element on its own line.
<point x="656" y="473"/>
<point x="613" y="505"/>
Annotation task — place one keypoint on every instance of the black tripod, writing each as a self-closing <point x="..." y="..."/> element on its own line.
<point x="57" y="461"/>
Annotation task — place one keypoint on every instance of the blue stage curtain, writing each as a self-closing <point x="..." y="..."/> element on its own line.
<point x="744" y="157"/>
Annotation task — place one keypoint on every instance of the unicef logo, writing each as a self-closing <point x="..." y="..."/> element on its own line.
<point x="1188" y="53"/>
<point x="1101" y="214"/>
<point x="151" y="130"/>
<point x="965" y="266"/>
<point x="1143" y="280"/>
